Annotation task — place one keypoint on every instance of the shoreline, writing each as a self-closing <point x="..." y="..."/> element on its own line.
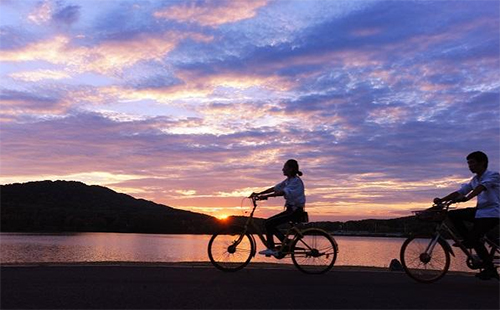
<point x="333" y="233"/>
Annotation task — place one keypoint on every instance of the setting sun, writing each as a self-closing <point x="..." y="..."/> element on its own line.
<point x="222" y="217"/>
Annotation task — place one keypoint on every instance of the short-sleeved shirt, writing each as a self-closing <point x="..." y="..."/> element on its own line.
<point x="488" y="201"/>
<point x="294" y="192"/>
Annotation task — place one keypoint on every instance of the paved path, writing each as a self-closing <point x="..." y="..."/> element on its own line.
<point x="258" y="287"/>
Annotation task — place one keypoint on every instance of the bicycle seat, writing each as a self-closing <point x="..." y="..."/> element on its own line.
<point x="303" y="218"/>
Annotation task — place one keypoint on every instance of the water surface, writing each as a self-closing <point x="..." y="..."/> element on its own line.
<point x="121" y="247"/>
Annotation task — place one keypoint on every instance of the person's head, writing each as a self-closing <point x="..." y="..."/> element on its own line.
<point x="477" y="161"/>
<point x="291" y="168"/>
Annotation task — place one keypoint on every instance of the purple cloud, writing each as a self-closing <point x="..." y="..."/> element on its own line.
<point x="67" y="14"/>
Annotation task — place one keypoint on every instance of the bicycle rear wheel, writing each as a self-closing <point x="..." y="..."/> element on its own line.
<point x="314" y="251"/>
<point x="424" y="265"/>
<point x="231" y="250"/>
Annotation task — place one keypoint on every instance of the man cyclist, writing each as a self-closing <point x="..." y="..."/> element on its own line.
<point x="485" y="216"/>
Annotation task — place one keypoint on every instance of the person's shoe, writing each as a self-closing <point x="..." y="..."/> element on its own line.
<point x="487" y="274"/>
<point x="269" y="252"/>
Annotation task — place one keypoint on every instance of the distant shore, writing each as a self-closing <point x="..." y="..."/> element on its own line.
<point x="334" y="233"/>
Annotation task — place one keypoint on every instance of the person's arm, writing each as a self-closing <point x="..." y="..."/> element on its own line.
<point x="455" y="196"/>
<point x="277" y="190"/>
<point x="476" y="191"/>
<point x="270" y="192"/>
<point x="267" y="191"/>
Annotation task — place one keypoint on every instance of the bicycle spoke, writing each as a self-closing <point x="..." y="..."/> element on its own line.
<point x="314" y="252"/>
<point x="227" y="255"/>
<point x="421" y="265"/>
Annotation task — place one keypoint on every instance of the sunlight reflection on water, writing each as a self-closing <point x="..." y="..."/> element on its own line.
<point x="120" y="247"/>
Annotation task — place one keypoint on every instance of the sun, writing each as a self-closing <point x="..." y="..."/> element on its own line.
<point x="222" y="217"/>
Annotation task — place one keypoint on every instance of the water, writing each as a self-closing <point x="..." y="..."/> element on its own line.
<point x="120" y="247"/>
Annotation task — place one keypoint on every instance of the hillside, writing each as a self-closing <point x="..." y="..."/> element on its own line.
<point x="402" y="226"/>
<point x="56" y="206"/>
<point x="74" y="206"/>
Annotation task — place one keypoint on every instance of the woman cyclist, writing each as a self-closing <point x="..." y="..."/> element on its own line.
<point x="292" y="188"/>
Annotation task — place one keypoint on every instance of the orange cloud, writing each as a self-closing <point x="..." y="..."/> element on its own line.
<point x="200" y="87"/>
<point x="229" y="12"/>
<point x="108" y="57"/>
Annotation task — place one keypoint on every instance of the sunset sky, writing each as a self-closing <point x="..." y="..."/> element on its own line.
<point x="195" y="104"/>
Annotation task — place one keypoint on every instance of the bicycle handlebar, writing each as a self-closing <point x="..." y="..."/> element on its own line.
<point x="255" y="198"/>
<point x="443" y="204"/>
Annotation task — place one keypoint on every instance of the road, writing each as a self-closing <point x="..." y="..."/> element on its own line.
<point x="200" y="286"/>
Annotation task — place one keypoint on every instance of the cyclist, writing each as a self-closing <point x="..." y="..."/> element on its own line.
<point x="485" y="216"/>
<point x="292" y="188"/>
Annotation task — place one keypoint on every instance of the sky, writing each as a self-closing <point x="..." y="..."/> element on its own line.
<point x="196" y="104"/>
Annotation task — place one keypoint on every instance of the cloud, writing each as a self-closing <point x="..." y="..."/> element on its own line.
<point x="49" y="12"/>
<point x="38" y="75"/>
<point x="68" y="14"/>
<point x="363" y="169"/>
<point x="41" y="14"/>
<point x="13" y="38"/>
<point x="17" y="102"/>
<point x="107" y="58"/>
<point x="212" y="14"/>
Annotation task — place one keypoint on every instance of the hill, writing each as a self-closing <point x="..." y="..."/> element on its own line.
<point x="74" y="206"/>
<point x="56" y="206"/>
<point x="396" y="227"/>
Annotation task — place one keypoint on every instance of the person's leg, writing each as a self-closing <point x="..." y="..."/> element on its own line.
<point x="481" y="227"/>
<point x="458" y="219"/>
<point x="271" y="226"/>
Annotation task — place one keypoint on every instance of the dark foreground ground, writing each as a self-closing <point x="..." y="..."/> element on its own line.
<point x="200" y="286"/>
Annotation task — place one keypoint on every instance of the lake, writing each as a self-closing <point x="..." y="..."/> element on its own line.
<point x="125" y="247"/>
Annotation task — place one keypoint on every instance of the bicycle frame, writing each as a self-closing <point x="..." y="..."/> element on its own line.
<point x="316" y="253"/>
<point x="442" y="226"/>
<point x="495" y="249"/>
<point x="249" y="223"/>
<point x="427" y="258"/>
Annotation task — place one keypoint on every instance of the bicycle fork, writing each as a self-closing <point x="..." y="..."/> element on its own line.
<point x="426" y="256"/>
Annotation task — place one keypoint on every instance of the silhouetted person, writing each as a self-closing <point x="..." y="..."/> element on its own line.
<point x="485" y="216"/>
<point x="292" y="188"/>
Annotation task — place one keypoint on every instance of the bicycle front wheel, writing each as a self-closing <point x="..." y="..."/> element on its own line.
<point x="314" y="251"/>
<point x="423" y="263"/>
<point x="230" y="250"/>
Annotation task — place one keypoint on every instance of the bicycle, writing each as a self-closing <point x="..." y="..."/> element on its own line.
<point x="426" y="258"/>
<point x="313" y="250"/>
